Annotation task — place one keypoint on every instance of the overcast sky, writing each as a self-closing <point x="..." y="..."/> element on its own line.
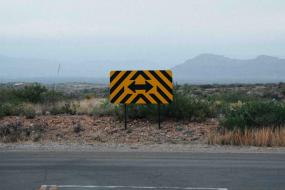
<point x="163" y="31"/>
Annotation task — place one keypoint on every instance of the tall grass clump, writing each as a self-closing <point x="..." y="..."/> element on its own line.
<point x="263" y="137"/>
<point x="106" y="108"/>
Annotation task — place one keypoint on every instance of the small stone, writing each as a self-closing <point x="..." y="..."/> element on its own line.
<point x="195" y="138"/>
<point x="179" y="129"/>
<point x="188" y="132"/>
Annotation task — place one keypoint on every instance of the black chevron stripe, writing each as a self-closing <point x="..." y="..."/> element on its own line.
<point x="114" y="76"/>
<point x="166" y="75"/>
<point x="117" y="95"/>
<point x="140" y="96"/>
<point x="161" y="81"/>
<point x="119" y="81"/>
<point x="155" y="98"/>
<point x="126" y="98"/>
<point x="164" y="95"/>
<point x="140" y="73"/>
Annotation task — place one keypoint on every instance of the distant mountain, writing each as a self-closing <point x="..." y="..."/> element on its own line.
<point x="203" y="69"/>
<point x="209" y="68"/>
<point x="12" y="69"/>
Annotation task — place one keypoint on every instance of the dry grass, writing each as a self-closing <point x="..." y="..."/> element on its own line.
<point x="85" y="106"/>
<point x="265" y="137"/>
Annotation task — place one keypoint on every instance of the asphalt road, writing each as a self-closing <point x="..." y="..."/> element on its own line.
<point x="133" y="170"/>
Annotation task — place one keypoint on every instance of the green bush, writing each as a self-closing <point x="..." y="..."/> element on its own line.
<point x="30" y="112"/>
<point x="183" y="107"/>
<point x="66" y="109"/>
<point x="1" y="112"/>
<point x="231" y="96"/>
<point x="9" y="109"/>
<point x="255" y="114"/>
<point x="106" y="109"/>
<point x="53" y="96"/>
<point x="9" y="96"/>
<point x="33" y="93"/>
<point x="88" y="96"/>
<point x="11" y="100"/>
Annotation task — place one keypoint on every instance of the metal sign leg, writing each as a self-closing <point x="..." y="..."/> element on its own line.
<point x="158" y="115"/>
<point x="125" y="116"/>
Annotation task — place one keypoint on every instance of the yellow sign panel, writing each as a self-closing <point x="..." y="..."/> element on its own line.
<point x="141" y="87"/>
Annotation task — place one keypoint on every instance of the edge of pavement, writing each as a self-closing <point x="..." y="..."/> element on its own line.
<point x="201" y="148"/>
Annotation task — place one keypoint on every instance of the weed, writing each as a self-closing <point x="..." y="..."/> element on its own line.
<point x="105" y="109"/>
<point x="264" y="137"/>
<point x="30" y="111"/>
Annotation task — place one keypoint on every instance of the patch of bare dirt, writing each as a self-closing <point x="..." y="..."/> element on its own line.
<point x="94" y="130"/>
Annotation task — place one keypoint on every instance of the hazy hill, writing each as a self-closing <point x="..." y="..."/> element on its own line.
<point x="209" y="68"/>
<point x="205" y="68"/>
<point x="26" y="68"/>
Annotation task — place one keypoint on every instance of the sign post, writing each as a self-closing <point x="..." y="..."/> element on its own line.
<point x="141" y="87"/>
<point x="158" y="115"/>
<point x="125" y="116"/>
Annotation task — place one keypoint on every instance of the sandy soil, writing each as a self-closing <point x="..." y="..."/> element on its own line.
<point x="94" y="130"/>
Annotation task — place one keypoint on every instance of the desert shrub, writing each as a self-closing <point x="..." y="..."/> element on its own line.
<point x="30" y="112"/>
<point x="33" y="93"/>
<point x="205" y="86"/>
<point x="13" y="132"/>
<point x="183" y="107"/>
<point x="106" y="108"/>
<point x="11" y="109"/>
<point x="271" y="95"/>
<point x="56" y="109"/>
<point x="231" y="96"/>
<point x="78" y="128"/>
<point x="255" y="114"/>
<point x="137" y="111"/>
<point x="1" y="112"/>
<point x="53" y="96"/>
<point x="9" y="96"/>
<point x="226" y="98"/>
<point x="88" y="97"/>
<point x="187" y="107"/>
<point x="67" y="108"/>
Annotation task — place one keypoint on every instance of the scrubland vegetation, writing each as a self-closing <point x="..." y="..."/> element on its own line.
<point x="248" y="114"/>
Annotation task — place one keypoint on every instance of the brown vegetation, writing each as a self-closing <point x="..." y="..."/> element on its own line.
<point x="264" y="137"/>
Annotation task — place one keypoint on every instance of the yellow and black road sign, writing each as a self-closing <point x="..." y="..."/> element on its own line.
<point x="141" y="87"/>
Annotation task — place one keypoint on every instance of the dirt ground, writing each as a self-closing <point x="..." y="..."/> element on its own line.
<point x="95" y="130"/>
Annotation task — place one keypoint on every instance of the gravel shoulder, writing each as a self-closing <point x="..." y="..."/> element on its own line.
<point x="12" y="147"/>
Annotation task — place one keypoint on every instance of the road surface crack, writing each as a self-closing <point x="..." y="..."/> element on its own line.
<point x="45" y="177"/>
